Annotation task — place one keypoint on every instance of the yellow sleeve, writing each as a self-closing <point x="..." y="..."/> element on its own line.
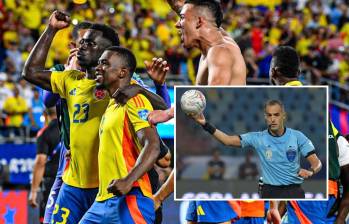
<point x="138" y="109"/>
<point x="58" y="79"/>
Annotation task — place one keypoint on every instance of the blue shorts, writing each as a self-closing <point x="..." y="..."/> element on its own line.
<point x="56" y="185"/>
<point x="250" y="220"/>
<point x="210" y="211"/>
<point x="131" y="208"/>
<point x="72" y="203"/>
<point x="52" y="199"/>
<point x="62" y="160"/>
<point x="314" y="211"/>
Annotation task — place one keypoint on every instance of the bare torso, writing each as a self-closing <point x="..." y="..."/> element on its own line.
<point x="235" y="70"/>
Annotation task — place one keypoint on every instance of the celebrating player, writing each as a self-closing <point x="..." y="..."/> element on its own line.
<point x="283" y="177"/>
<point x="86" y="106"/>
<point x="199" y="25"/>
<point x="50" y="100"/>
<point x="128" y="149"/>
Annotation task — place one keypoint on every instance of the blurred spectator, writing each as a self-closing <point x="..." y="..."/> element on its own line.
<point x="25" y="38"/>
<point x="15" y="108"/>
<point x="264" y="60"/>
<point x="25" y="91"/>
<point x="5" y="93"/>
<point x="14" y="56"/>
<point x="216" y="167"/>
<point x="248" y="169"/>
<point x="252" y="67"/>
<point x="36" y="113"/>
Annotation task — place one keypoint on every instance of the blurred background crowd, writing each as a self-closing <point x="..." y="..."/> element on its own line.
<point x="318" y="29"/>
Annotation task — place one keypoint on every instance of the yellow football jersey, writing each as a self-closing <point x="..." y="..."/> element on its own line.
<point x="86" y="106"/>
<point x="294" y="83"/>
<point x="119" y="146"/>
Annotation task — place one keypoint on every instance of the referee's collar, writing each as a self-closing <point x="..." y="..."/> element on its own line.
<point x="277" y="136"/>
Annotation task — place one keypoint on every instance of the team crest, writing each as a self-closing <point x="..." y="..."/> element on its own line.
<point x="291" y="154"/>
<point x="99" y="94"/>
<point x="143" y="114"/>
<point x="268" y="154"/>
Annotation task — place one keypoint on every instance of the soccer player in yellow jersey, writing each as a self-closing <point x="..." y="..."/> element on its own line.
<point x="129" y="147"/>
<point x="86" y="105"/>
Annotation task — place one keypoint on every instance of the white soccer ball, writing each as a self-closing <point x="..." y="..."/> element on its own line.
<point x="193" y="102"/>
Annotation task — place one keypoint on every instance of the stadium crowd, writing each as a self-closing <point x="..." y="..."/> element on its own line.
<point x="319" y="30"/>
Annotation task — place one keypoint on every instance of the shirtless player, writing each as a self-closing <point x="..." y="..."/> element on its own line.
<point x="221" y="61"/>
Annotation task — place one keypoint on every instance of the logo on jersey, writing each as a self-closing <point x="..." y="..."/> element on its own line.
<point x="291" y="154"/>
<point x="143" y="114"/>
<point x="268" y="154"/>
<point x="72" y="92"/>
<point x="99" y="94"/>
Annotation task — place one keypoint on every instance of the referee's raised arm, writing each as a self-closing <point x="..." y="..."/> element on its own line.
<point x="229" y="140"/>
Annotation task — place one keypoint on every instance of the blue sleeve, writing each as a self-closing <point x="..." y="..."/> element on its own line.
<point x="304" y="144"/>
<point x="50" y="99"/>
<point x="162" y="91"/>
<point x="249" y="139"/>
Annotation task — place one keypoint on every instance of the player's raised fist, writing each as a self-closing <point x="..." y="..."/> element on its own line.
<point x="59" y="20"/>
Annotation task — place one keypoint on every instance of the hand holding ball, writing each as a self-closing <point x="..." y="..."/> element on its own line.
<point x="193" y="102"/>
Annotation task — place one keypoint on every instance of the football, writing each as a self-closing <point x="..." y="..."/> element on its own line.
<point x="193" y="102"/>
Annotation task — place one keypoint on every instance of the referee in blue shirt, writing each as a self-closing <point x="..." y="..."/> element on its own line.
<point x="279" y="150"/>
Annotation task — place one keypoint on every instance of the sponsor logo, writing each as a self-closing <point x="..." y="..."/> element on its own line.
<point x="72" y="92"/>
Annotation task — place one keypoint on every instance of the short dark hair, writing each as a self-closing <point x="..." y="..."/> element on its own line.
<point x="127" y="57"/>
<point x="272" y="103"/>
<point x="80" y="26"/>
<point x="287" y="61"/>
<point x="107" y="32"/>
<point x="50" y="111"/>
<point x="213" y="6"/>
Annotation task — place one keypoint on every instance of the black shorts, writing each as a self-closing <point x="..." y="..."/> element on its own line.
<point x="284" y="191"/>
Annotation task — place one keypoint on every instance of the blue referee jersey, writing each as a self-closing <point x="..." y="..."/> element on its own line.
<point x="280" y="155"/>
